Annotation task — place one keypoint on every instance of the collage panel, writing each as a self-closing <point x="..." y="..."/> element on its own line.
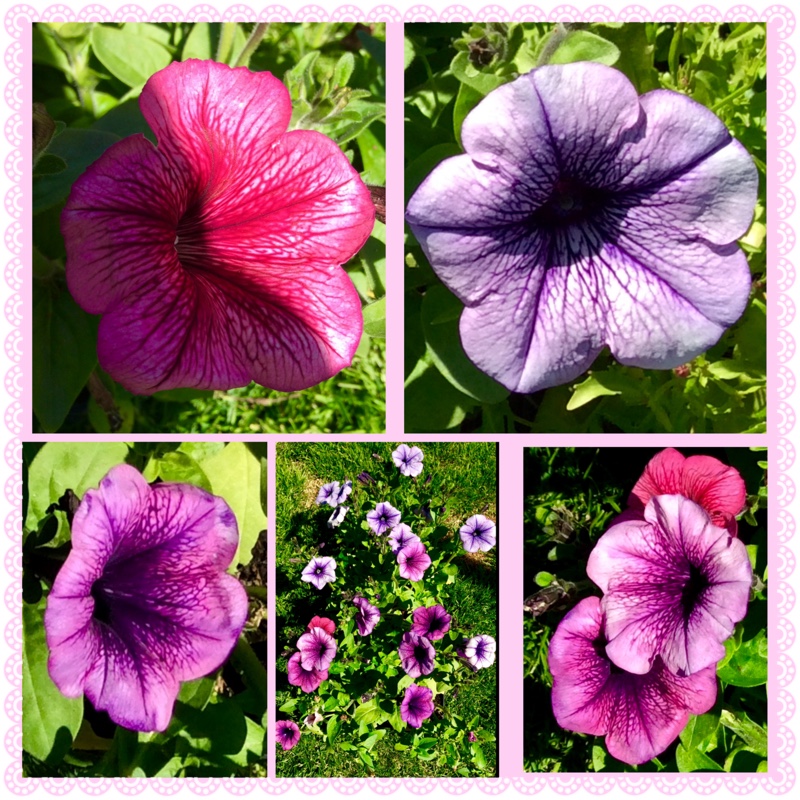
<point x="645" y="630"/>
<point x="386" y="610"/>
<point x="586" y="227"/>
<point x="144" y="616"/>
<point x="208" y="227"/>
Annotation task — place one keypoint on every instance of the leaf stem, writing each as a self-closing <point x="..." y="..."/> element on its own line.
<point x="252" y="43"/>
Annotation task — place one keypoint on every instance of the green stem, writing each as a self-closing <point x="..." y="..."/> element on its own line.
<point x="248" y="663"/>
<point x="226" y="36"/>
<point x="252" y="43"/>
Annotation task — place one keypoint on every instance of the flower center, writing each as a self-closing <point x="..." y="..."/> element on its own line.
<point x="693" y="590"/>
<point x="570" y="202"/>
<point x="102" y="610"/>
<point x="421" y="654"/>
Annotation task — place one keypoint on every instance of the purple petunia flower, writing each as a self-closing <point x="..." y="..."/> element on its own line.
<point x="478" y="533"/>
<point x="327" y="494"/>
<point x="480" y="651"/>
<point x="365" y="478"/>
<point x="432" y="622"/>
<point x="417" y="705"/>
<point x="401" y="536"/>
<point x="317" y="649"/>
<point x="582" y="215"/>
<point x="675" y="585"/>
<point x="408" y="460"/>
<point x="416" y="655"/>
<point x="413" y="560"/>
<point x="320" y="570"/>
<point x="471" y="737"/>
<point x="367" y="615"/>
<point x="336" y="519"/>
<point x="640" y="715"/>
<point x="287" y="733"/>
<point x="143" y="600"/>
<point x="383" y="517"/>
<point x="308" y="680"/>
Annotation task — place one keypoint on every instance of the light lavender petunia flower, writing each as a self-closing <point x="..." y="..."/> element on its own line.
<point x="640" y="715"/>
<point x="317" y="649"/>
<point x="478" y="533"/>
<point x="367" y="615"/>
<point x="480" y="651"/>
<point x="412" y="561"/>
<point x="416" y="655"/>
<point x="287" y="734"/>
<point x="582" y="215"/>
<point x="675" y="585"/>
<point x="336" y="519"/>
<point x="383" y="517"/>
<point x="401" y="536"/>
<point x="328" y="493"/>
<point x="417" y="705"/>
<point x="408" y="460"/>
<point x="320" y="570"/>
<point x="308" y="680"/>
<point x="432" y="622"/>
<point x="143" y="600"/>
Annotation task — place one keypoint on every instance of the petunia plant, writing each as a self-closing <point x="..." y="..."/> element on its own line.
<point x="144" y="621"/>
<point x="645" y="630"/>
<point x="585" y="216"/>
<point x="208" y="225"/>
<point x="387" y="665"/>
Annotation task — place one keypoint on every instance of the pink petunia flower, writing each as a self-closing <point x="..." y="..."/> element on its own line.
<point x="215" y="258"/>
<point x="718" y="488"/>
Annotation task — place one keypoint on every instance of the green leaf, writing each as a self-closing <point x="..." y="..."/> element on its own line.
<point x="432" y="403"/>
<point x="49" y="164"/>
<point x="585" y="46"/>
<point x="199" y="43"/>
<point x="695" y="761"/>
<point x="64" y="353"/>
<point x="51" y="721"/>
<point x="177" y="467"/>
<point x="197" y="693"/>
<point x="333" y="728"/>
<point x="544" y="578"/>
<point x="753" y="735"/>
<point x="466" y="100"/>
<point x="366" y="758"/>
<point x="288" y="706"/>
<point x="477" y="755"/>
<point x="128" y="57"/>
<point x="589" y="390"/>
<point x="700" y="730"/>
<point x="405" y="682"/>
<point x="440" y="312"/>
<point x="748" y="665"/>
<point x="375" y="319"/>
<point x="408" y="52"/>
<point x="235" y="475"/>
<point x="59" y="466"/>
<point x="395" y="720"/>
<point x="465" y="72"/>
<point x="182" y="395"/>
<point x="369" y="713"/>
<point x="373" y="154"/>
<point x="343" y="69"/>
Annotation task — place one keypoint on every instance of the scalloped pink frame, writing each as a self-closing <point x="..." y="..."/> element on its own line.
<point x="15" y="329"/>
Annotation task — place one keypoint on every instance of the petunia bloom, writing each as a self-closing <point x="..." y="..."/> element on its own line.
<point x="582" y="215"/>
<point x="674" y="584"/>
<point x="412" y="561"/>
<point x="317" y="649"/>
<point x="382" y="518"/>
<point x="408" y="460"/>
<point x="336" y="519"/>
<point x="401" y="536"/>
<point x="320" y="570"/>
<point x="287" y="733"/>
<point x="432" y="622"/>
<point x="480" y="651"/>
<point x="328" y="625"/>
<point x="417" y="705"/>
<point x="718" y="488"/>
<point x="478" y="533"/>
<point x="367" y="615"/>
<point x="640" y="715"/>
<point x="328" y="494"/>
<point x="215" y="257"/>
<point x="416" y="655"/>
<point x="143" y="600"/>
<point x="308" y="680"/>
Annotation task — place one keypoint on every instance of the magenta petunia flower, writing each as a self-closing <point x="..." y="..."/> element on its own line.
<point x="328" y="625"/>
<point x="214" y="258"/>
<point x="416" y="655"/>
<point x="317" y="649"/>
<point x="382" y="518"/>
<point x="432" y="622"/>
<point x="413" y="560"/>
<point x="417" y="705"/>
<point x="408" y="460"/>
<point x="367" y="615"/>
<point x="401" y="536"/>
<point x="319" y="571"/>
<point x="308" y="680"/>
<point x="287" y="733"/>
<point x="674" y="584"/>
<point x="582" y="215"/>
<point x="640" y="715"/>
<point x="718" y="488"/>
<point x="478" y="533"/>
<point x="143" y="600"/>
<point x="480" y="651"/>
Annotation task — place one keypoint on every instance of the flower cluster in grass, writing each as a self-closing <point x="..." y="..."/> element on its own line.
<point x="615" y="281"/>
<point x="130" y="608"/>
<point x="665" y="641"/>
<point x="386" y="648"/>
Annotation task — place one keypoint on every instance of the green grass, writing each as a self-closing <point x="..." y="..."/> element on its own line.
<point x="464" y="477"/>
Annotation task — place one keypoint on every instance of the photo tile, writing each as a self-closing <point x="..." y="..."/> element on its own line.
<point x="586" y="215"/>
<point x="645" y="609"/>
<point x="208" y="240"/>
<point x="386" y="625"/>
<point x="144" y="624"/>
